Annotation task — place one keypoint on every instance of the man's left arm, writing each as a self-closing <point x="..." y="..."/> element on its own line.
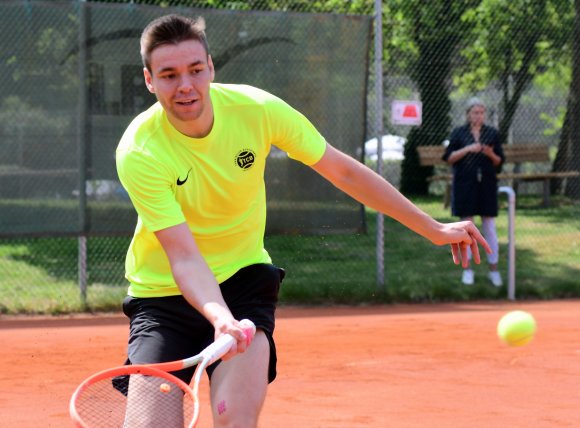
<point x="370" y="189"/>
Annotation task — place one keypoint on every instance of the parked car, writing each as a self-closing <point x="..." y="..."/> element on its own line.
<point x="393" y="148"/>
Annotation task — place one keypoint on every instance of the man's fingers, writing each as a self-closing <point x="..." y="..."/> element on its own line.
<point x="249" y="330"/>
<point x="464" y="255"/>
<point x="455" y="253"/>
<point x="475" y="252"/>
<point x="476" y="237"/>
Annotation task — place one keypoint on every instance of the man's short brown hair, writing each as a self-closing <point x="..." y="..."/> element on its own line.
<point x="171" y="29"/>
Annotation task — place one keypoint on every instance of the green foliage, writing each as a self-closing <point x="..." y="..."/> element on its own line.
<point x="519" y="36"/>
<point x="554" y="124"/>
<point x="510" y="43"/>
<point x="320" y="6"/>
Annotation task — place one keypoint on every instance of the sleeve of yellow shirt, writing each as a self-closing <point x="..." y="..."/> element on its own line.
<point x="293" y="133"/>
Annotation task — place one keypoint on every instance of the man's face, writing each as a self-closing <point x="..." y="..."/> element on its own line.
<point x="180" y="78"/>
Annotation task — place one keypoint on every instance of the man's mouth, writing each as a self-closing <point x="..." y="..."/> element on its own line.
<point x="186" y="102"/>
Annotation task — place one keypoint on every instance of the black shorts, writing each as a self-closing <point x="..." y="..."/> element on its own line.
<point x="169" y="328"/>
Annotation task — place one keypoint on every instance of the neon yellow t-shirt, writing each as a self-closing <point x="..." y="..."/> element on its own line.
<point x="215" y="184"/>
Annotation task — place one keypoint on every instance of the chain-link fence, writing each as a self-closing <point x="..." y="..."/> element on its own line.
<point x="71" y="81"/>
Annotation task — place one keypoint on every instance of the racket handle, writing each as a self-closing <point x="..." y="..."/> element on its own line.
<point x="223" y="343"/>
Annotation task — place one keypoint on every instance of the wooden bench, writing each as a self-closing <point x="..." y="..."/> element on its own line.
<point x="514" y="153"/>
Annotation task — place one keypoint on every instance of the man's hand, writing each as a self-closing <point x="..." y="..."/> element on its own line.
<point x="461" y="236"/>
<point x="239" y="330"/>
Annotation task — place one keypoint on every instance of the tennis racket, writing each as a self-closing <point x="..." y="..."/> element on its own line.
<point x="147" y="395"/>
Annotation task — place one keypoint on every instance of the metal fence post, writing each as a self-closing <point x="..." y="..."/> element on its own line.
<point x="81" y="142"/>
<point x="511" y="240"/>
<point x="379" y="124"/>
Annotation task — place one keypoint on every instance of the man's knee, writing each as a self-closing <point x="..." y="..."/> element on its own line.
<point x="239" y="385"/>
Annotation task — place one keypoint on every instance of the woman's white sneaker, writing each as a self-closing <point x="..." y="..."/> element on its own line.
<point x="468" y="277"/>
<point x="495" y="278"/>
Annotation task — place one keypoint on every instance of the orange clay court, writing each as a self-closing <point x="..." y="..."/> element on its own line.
<point x="380" y="366"/>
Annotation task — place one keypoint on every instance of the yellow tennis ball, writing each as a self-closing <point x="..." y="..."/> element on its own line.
<point x="165" y="387"/>
<point x="516" y="328"/>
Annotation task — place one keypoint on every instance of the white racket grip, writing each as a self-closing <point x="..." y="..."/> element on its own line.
<point x="223" y="344"/>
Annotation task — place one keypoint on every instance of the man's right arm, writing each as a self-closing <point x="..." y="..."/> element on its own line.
<point x="196" y="281"/>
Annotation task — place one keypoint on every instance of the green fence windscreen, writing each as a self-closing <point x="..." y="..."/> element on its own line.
<point x="72" y="82"/>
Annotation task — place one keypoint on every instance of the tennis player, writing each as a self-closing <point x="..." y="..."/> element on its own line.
<point x="193" y="165"/>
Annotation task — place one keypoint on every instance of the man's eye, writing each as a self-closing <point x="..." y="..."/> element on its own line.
<point x="168" y="76"/>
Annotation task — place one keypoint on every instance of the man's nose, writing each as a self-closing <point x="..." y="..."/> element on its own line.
<point x="185" y="83"/>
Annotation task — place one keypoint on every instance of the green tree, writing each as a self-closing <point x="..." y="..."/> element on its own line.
<point x="436" y="29"/>
<point x="568" y="157"/>
<point x="514" y="41"/>
<point x="323" y="6"/>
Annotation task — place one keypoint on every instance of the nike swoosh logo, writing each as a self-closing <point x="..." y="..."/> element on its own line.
<point x="182" y="182"/>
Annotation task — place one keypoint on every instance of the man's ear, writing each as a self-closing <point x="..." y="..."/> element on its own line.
<point x="211" y="68"/>
<point x="148" y="81"/>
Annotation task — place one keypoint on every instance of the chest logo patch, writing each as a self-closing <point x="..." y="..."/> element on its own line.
<point x="245" y="159"/>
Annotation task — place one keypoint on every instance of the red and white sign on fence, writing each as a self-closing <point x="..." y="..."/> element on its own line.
<point x="406" y="112"/>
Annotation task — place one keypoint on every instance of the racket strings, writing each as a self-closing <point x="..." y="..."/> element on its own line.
<point x="136" y="401"/>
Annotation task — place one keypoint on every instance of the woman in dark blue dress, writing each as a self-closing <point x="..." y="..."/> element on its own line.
<point x="475" y="154"/>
